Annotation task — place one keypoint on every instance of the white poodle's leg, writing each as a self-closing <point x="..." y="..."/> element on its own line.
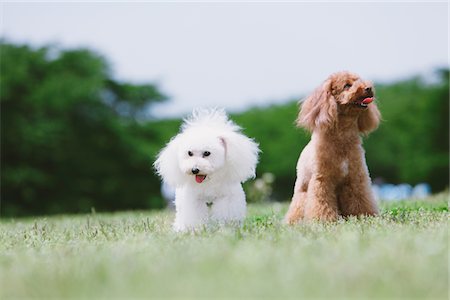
<point x="190" y="213"/>
<point x="230" y="209"/>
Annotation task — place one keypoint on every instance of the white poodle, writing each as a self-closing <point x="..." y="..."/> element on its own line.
<point x="206" y="163"/>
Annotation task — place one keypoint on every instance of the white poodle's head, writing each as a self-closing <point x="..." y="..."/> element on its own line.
<point x="209" y="148"/>
<point x="201" y="153"/>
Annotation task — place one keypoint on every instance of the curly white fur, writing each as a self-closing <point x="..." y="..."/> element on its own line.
<point x="206" y="163"/>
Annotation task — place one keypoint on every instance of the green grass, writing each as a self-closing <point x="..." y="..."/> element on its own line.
<point x="401" y="254"/>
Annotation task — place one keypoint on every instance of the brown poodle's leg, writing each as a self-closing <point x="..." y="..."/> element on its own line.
<point x="321" y="202"/>
<point x="356" y="198"/>
<point x="296" y="208"/>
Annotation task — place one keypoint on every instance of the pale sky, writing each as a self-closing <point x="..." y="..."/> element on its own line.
<point x="239" y="55"/>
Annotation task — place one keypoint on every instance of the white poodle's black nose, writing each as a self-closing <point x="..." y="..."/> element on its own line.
<point x="195" y="171"/>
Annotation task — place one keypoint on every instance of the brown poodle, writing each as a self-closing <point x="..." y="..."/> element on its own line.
<point x="332" y="176"/>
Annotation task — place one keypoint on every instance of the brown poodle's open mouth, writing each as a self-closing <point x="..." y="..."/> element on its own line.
<point x="364" y="102"/>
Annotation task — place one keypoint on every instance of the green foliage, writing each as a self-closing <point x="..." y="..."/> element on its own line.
<point x="136" y="255"/>
<point x="412" y="142"/>
<point x="70" y="138"/>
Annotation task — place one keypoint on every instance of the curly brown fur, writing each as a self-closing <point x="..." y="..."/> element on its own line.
<point x="332" y="175"/>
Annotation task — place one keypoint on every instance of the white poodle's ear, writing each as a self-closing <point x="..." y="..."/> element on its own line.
<point x="166" y="164"/>
<point x="241" y="155"/>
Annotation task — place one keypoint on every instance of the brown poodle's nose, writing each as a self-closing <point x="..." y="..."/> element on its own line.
<point x="368" y="89"/>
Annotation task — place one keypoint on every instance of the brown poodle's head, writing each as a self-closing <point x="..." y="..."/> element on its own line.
<point x="343" y="94"/>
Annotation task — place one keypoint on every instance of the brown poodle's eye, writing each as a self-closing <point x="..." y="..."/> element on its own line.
<point x="190" y="153"/>
<point x="347" y="86"/>
<point x="206" y="153"/>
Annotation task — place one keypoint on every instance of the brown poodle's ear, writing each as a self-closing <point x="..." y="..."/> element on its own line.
<point x="319" y="109"/>
<point x="369" y="119"/>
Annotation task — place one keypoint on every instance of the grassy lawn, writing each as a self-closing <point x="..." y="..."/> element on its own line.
<point x="401" y="254"/>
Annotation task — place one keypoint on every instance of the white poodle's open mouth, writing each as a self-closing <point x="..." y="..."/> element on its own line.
<point x="200" y="178"/>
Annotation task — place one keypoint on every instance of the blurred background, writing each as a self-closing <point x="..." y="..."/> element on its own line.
<point x="91" y="92"/>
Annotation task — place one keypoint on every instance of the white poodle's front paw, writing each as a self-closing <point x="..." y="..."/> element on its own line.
<point x="185" y="227"/>
<point x="177" y="227"/>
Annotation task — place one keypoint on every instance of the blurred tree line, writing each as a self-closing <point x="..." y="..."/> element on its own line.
<point x="73" y="137"/>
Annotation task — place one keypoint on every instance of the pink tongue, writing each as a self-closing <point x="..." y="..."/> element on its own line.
<point x="200" y="178"/>
<point x="367" y="100"/>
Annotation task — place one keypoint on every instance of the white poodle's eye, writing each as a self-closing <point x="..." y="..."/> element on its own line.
<point x="347" y="86"/>
<point x="206" y="154"/>
<point x="190" y="153"/>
